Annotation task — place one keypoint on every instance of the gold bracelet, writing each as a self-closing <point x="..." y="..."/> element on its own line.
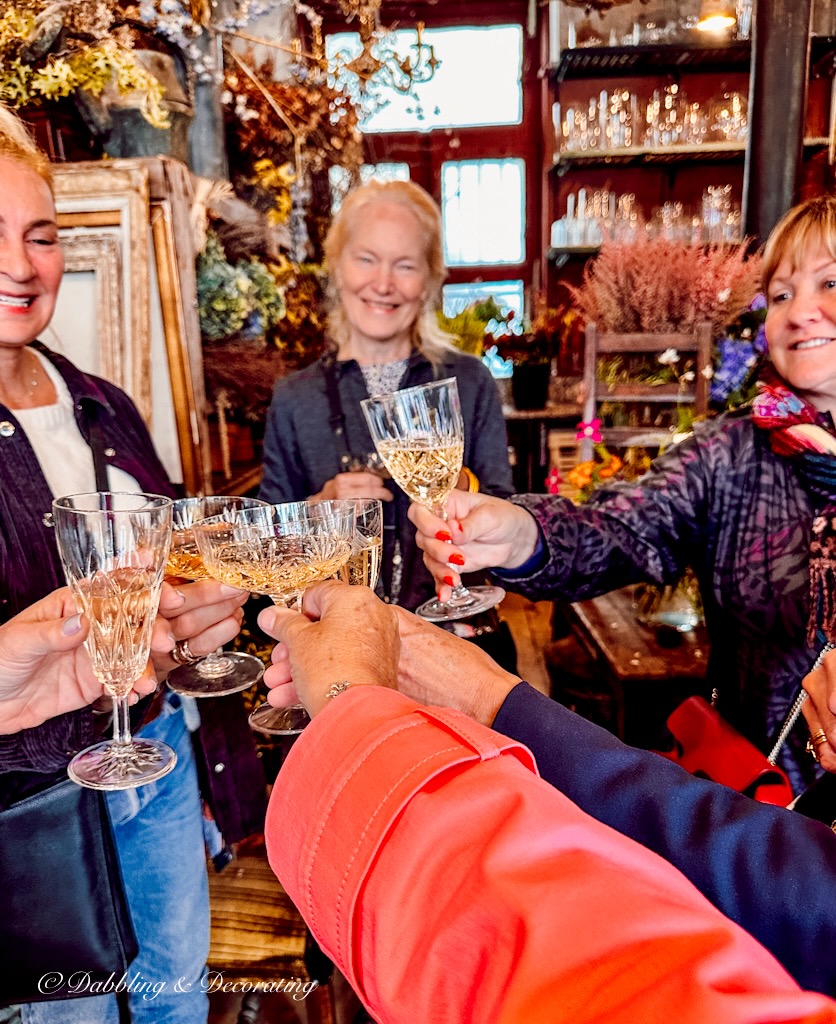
<point x="335" y="689"/>
<point x="472" y="480"/>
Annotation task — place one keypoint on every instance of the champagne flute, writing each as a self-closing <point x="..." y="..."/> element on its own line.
<point x="419" y="435"/>
<point x="363" y="565"/>
<point x="222" y="672"/>
<point x="278" y="551"/>
<point x="114" y="547"/>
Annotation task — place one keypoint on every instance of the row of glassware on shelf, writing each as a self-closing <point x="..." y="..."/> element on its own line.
<point x="618" y="119"/>
<point x="593" y="217"/>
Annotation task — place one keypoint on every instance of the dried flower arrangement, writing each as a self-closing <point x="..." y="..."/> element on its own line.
<point x="51" y="51"/>
<point x="240" y="300"/>
<point x="279" y="132"/>
<point x="656" y="285"/>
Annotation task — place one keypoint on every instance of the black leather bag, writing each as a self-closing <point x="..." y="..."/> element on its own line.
<point x="64" y="918"/>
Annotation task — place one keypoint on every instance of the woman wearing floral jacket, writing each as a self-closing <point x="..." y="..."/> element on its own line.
<point x="749" y="501"/>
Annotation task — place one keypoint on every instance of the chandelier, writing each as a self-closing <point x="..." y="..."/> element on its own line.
<point x="379" y="64"/>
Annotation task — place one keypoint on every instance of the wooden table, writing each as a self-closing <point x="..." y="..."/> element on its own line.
<point x="648" y="671"/>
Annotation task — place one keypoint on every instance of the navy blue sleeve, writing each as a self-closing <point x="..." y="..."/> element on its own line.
<point x="768" y="869"/>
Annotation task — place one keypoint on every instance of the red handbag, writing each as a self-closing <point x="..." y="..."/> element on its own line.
<point x="707" y="746"/>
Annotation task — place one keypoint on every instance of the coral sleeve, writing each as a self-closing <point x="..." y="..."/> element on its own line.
<point x="450" y="884"/>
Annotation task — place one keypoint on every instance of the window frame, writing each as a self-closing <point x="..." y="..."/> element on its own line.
<point x="426" y="151"/>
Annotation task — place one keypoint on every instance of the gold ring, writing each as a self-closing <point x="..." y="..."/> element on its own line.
<point x="818" y="737"/>
<point x="811" y="750"/>
<point x="183" y="654"/>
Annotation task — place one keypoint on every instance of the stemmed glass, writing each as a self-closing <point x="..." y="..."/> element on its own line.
<point x="419" y="435"/>
<point x="222" y="672"/>
<point x="363" y="566"/>
<point x="114" y="548"/>
<point x="278" y="551"/>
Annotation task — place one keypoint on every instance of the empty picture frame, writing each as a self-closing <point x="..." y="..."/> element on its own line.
<point x="131" y="217"/>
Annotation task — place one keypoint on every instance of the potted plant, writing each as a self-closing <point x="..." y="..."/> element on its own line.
<point x="553" y="338"/>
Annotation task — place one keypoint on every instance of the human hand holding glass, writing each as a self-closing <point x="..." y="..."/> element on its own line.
<point x="278" y="551"/>
<point x="419" y="435"/>
<point x="219" y="673"/>
<point x="114" y="547"/>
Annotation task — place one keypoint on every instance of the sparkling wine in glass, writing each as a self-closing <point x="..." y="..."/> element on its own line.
<point x="419" y="434"/>
<point x="114" y="547"/>
<point x="278" y="551"/>
<point x="222" y="672"/>
<point x="363" y="566"/>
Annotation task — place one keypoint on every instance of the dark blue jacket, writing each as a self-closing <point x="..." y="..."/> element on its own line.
<point x="30" y="568"/>
<point x="770" y="870"/>
<point x="301" y="452"/>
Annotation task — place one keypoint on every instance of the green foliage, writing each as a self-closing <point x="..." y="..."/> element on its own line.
<point x="241" y="300"/>
<point x="469" y="328"/>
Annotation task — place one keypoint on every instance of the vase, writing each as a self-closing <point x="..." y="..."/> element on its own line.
<point x="530" y="385"/>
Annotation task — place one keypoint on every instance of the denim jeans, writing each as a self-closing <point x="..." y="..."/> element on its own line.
<point x="159" y="836"/>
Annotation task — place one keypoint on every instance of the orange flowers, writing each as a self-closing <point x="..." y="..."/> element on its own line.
<point x="586" y="476"/>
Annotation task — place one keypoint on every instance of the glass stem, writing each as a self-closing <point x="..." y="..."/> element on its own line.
<point x="460" y="596"/>
<point x="121" y="721"/>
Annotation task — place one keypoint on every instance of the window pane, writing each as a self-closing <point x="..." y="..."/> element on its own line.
<point x="478" y="82"/>
<point x="483" y="206"/>
<point x="509" y="296"/>
<point x="340" y="180"/>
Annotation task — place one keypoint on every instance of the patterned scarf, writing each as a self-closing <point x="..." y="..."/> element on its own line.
<point x="800" y="432"/>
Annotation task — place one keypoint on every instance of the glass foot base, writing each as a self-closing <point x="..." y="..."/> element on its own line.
<point x="238" y="671"/>
<point x="279" y="721"/>
<point x="481" y="600"/>
<point x="112" y="765"/>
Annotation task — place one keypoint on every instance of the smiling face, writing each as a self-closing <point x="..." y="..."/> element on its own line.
<point x="382" y="277"/>
<point x="31" y="262"/>
<point x="801" y="324"/>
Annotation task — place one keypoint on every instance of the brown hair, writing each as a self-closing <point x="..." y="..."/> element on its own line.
<point x="807" y="224"/>
<point x="16" y="143"/>
<point x="427" y="335"/>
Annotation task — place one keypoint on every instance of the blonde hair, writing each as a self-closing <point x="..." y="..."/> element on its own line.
<point x="427" y="336"/>
<point x="16" y="143"/>
<point x="810" y="223"/>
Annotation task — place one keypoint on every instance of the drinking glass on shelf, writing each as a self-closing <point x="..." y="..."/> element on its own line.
<point x="278" y="551"/>
<point x="114" y="547"/>
<point x="419" y="433"/>
<point x="363" y="566"/>
<point x="222" y="672"/>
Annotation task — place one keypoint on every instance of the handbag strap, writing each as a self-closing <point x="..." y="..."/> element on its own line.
<point x="795" y="709"/>
<point x="97" y="447"/>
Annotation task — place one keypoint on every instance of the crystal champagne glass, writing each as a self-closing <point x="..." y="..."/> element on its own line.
<point x="278" y="551"/>
<point x="363" y="566"/>
<point x="419" y="435"/>
<point x="222" y="672"/>
<point x="114" y="547"/>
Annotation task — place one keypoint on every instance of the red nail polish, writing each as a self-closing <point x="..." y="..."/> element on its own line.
<point x="444" y="535"/>
<point x="449" y="581"/>
<point x="456" y="559"/>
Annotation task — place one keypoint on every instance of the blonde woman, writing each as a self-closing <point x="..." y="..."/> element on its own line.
<point x="384" y="258"/>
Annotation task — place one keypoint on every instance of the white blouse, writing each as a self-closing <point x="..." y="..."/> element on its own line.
<point x="65" y="457"/>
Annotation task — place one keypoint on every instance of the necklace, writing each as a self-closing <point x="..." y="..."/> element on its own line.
<point x="34" y="381"/>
